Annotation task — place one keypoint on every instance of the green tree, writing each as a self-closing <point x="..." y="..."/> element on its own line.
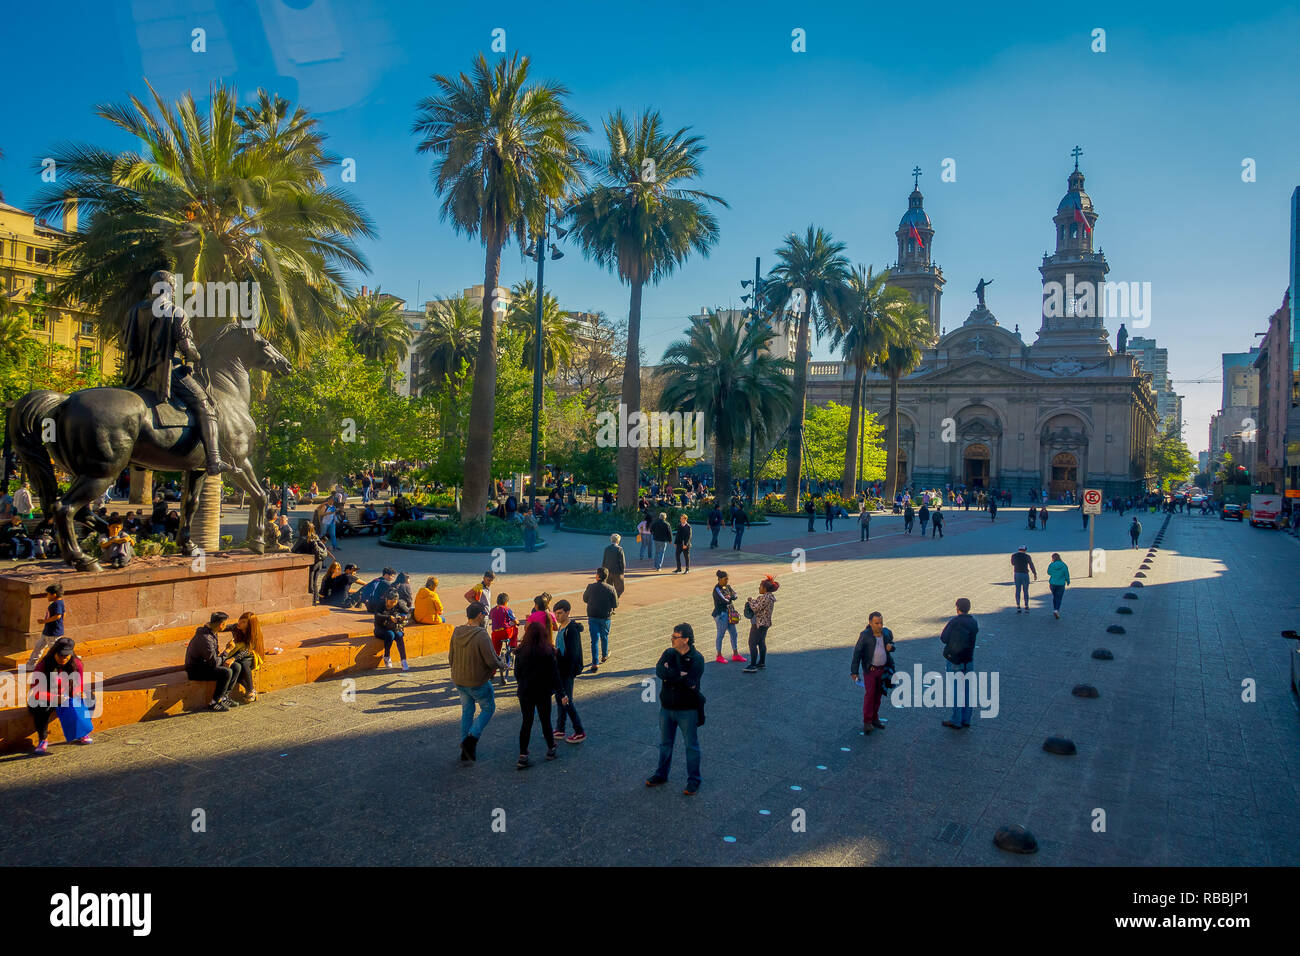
<point x="730" y="376"/>
<point x="910" y="335"/>
<point x="870" y="314"/>
<point x="1172" y="461"/>
<point x="825" y="429"/>
<point x="639" y="220"/>
<point x="557" y="328"/>
<point x="378" y="329"/>
<point x="504" y="149"/>
<point x="810" y="278"/>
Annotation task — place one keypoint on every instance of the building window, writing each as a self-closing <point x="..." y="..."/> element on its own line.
<point x="1074" y="230"/>
<point x="86" y="360"/>
<point x="43" y="256"/>
<point x="38" y="322"/>
<point x="87" y="327"/>
<point x="29" y="253"/>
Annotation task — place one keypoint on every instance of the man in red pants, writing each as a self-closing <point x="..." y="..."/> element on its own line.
<point x="873" y="652"/>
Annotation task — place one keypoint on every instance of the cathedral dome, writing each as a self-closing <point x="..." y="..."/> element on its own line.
<point x="1076" y="198"/>
<point x="915" y="215"/>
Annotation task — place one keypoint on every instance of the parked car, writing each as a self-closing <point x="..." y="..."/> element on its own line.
<point x="1231" y="510"/>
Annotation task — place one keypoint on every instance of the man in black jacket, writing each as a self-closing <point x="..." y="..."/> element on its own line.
<point x="875" y="653"/>
<point x="958" y="639"/>
<point x="715" y="524"/>
<point x="738" y="522"/>
<point x="568" y="647"/>
<point x="811" y="511"/>
<point x="680" y="669"/>
<point x="682" y="539"/>
<point x="663" y="536"/>
<point x="601" y="600"/>
<point x="203" y="661"/>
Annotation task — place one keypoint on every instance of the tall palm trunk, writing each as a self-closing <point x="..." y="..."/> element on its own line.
<point x="853" y="440"/>
<point x="794" y="444"/>
<point x="722" y="452"/>
<point x="629" y="471"/>
<point x="206" y="527"/>
<point x="891" y="455"/>
<point x="141" y="487"/>
<point x="482" y="405"/>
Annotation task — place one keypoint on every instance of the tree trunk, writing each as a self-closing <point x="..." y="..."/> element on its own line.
<point x="853" y="440"/>
<point x="141" y="487"/>
<point x="482" y="405"/>
<point x="629" y="471"/>
<point x="794" y="444"/>
<point x="891" y="447"/>
<point x="206" y="529"/>
<point x="722" y="450"/>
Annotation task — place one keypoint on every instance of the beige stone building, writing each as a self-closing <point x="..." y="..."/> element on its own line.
<point x="988" y="409"/>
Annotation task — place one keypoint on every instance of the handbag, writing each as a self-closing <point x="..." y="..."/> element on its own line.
<point x="74" y="719"/>
<point x="749" y="611"/>
<point x="733" y="617"/>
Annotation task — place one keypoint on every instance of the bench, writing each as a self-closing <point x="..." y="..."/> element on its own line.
<point x="355" y="526"/>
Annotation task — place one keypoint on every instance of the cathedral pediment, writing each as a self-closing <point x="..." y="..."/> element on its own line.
<point x="975" y="370"/>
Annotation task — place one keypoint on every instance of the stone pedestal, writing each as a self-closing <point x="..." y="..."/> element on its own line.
<point x="151" y="594"/>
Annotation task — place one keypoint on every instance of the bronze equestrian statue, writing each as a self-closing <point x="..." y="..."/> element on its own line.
<point x="95" y="433"/>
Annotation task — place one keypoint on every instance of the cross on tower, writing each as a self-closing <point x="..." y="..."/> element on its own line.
<point x="1076" y="153"/>
<point x="916" y="176"/>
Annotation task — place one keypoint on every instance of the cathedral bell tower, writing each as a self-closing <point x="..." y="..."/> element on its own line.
<point x="914" y="271"/>
<point x="1074" y="276"/>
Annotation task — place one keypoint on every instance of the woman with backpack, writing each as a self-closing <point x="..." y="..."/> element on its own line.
<point x="725" y="617"/>
<point x="759" y="611"/>
<point x="537" y="675"/>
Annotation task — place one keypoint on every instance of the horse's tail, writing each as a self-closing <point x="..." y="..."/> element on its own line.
<point x="28" y="428"/>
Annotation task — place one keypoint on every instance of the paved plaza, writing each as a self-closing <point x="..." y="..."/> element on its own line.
<point x="1180" y="768"/>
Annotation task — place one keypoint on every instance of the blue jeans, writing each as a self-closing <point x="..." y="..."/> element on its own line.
<point x="661" y="551"/>
<point x="471" y="726"/>
<point x="645" y="548"/>
<point x="961" y="715"/>
<point x="530" y="538"/>
<point x="599" y="635"/>
<point x="714" y="542"/>
<point x="689" y="722"/>
<point x="390" y="638"/>
<point x="333" y="533"/>
<point x="1021" y="578"/>
<point x="365" y="495"/>
<point x="740" y="533"/>
<point x="1058" y="592"/>
<point x="725" y="626"/>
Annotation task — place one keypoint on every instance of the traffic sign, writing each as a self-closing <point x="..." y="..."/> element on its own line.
<point x="1092" y="502"/>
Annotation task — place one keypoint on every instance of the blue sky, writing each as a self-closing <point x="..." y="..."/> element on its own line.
<point x="1165" y="116"/>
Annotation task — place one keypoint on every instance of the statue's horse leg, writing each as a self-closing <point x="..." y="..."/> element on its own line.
<point x="84" y="490"/>
<point x="189" y="505"/>
<point x="246" y="479"/>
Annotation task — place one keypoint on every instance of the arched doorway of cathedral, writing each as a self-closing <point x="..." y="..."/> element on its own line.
<point x="1065" y="474"/>
<point x="975" y="466"/>
<point x="902" y="467"/>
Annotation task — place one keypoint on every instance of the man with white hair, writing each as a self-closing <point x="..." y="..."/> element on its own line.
<point x="615" y="563"/>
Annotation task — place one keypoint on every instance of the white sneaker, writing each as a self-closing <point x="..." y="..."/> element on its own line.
<point x="405" y="666"/>
<point x="387" y="662"/>
<point x="1057" y="615"/>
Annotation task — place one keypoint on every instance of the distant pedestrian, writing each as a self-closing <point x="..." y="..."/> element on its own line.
<point x="51" y="623"/>
<point x="811" y="511"/>
<point x="993" y="508"/>
<point x="472" y="665"/>
<point x="1021" y="566"/>
<point x="682" y="538"/>
<point x="738" y="521"/>
<point x="873" y="653"/>
<point x="537" y="676"/>
<point x="958" y="639"/>
<point x="1033" y="518"/>
<point x="936" y="522"/>
<point x="615" y="562"/>
<point x="1058" y="577"/>
<point x="725" y="616"/>
<point x="909" y="516"/>
<point x="645" y="545"/>
<point x="601" y="600"/>
<point x="864" y="524"/>
<point x="924" y="516"/>
<point x="1085" y="516"/>
<point x="663" y="537"/>
<point x="568" y="650"/>
<point x="1135" y="531"/>
<point x="759" y="611"/>
<point x="681" y="707"/>
<point x="715" y="525"/>
<point x="1042" y="516"/>
<point x="830" y="516"/>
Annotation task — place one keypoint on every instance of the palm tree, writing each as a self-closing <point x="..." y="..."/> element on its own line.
<point x="871" y="312"/>
<point x="912" y="333"/>
<point x="448" y="342"/>
<point x="812" y="277"/>
<point x="730" y="375"/>
<point x="557" y="328"/>
<point x="213" y="196"/>
<point x="378" y="330"/>
<point x="638" y="220"/>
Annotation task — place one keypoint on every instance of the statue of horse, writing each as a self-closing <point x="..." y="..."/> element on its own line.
<point x="95" y="433"/>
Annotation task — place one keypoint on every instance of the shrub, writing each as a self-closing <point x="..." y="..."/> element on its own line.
<point x="488" y="532"/>
<point x="587" y="518"/>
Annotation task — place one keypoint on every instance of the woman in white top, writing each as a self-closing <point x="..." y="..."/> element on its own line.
<point x="644" y="539"/>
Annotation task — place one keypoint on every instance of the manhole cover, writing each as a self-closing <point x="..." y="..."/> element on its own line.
<point x="954" y="833"/>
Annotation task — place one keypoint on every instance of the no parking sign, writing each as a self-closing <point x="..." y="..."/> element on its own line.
<point x="1092" y="502"/>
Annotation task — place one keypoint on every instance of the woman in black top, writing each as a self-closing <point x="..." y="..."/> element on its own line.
<point x="537" y="673"/>
<point x="338" y="582"/>
<point x="390" y="627"/>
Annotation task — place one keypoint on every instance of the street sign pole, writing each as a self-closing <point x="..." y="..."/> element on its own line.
<point x="1092" y="527"/>
<point x="1091" y="508"/>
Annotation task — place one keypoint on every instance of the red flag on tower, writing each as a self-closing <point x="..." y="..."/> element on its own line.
<point x="917" y="236"/>
<point x="1081" y="218"/>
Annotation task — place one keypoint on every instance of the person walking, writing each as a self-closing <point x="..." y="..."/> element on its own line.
<point x="936" y="522"/>
<point x="759" y="611"/>
<point x="725" y="616"/>
<point x="1033" y="518"/>
<point x="645" y="546"/>
<point x="864" y="523"/>
<point x="663" y="536"/>
<point x="1021" y="567"/>
<point x="738" y="521"/>
<point x="1042" y="517"/>
<point x="874" y="654"/>
<point x="924" y="515"/>
<point x="681" y="707"/>
<point x="601" y="600"/>
<point x="715" y="525"/>
<point x="830" y="515"/>
<point x="537" y="675"/>
<point x="811" y="511"/>
<point x="1058" y="577"/>
<point x="958" y="639"/>
<point x="909" y="515"/>
<point x="568" y="650"/>
<point x="682" y="538"/>
<point x="1085" y="516"/>
<point x="993" y="508"/>
<point x="614" y="561"/>
<point x="472" y="664"/>
<point x="1135" y="531"/>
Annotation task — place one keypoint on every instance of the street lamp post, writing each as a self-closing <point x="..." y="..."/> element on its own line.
<point x="754" y="318"/>
<point x="537" y="252"/>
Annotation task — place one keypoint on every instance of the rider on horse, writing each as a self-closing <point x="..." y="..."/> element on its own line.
<point x="157" y="329"/>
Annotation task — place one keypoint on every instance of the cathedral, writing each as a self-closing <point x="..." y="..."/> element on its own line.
<point x="985" y="409"/>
